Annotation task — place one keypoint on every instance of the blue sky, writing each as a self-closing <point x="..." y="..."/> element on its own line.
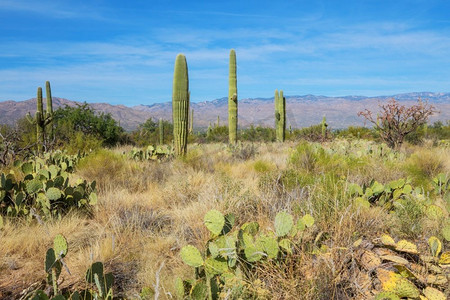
<point x="122" y="52"/>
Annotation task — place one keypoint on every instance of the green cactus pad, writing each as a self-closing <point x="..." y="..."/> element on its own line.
<point x="60" y="245"/>
<point x="252" y="252"/>
<point x="283" y="223"/>
<point x="53" y="170"/>
<point x="446" y="232"/>
<point x="377" y="188"/>
<point x="214" y="221"/>
<point x="199" y="291"/>
<point x="229" y="223"/>
<point x="93" y="199"/>
<point x="386" y="296"/>
<point x="40" y="295"/>
<point x="286" y="245"/>
<point x="213" y="249"/>
<point x="270" y="246"/>
<point x="27" y="168"/>
<point x="251" y="228"/>
<point x="434" y="294"/>
<point x="95" y="269"/>
<point x="53" y="194"/>
<point x="308" y="220"/>
<point x="300" y="225"/>
<point x="361" y="202"/>
<point x="50" y="259"/>
<point x="179" y="288"/>
<point x="435" y="246"/>
<point x="355" y="189"/>
<point x="44" y="173"/>
<point x="191" y="256"/>
<point x="434" y="212"/>
<point x="215" y="266"/>
<point x="33" y="186"/>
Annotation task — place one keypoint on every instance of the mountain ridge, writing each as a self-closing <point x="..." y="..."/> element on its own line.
<point x="302" y="110"/>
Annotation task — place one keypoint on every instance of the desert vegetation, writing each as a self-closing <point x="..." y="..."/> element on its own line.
<point x="88" y="211"/>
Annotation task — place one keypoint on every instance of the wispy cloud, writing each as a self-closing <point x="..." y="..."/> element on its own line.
<point x="52" y="9"/>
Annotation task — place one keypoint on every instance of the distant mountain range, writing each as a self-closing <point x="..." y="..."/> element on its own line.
<point x="301" y="111"/>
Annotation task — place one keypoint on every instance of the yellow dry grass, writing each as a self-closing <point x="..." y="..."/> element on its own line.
<point x="148" y="210"/>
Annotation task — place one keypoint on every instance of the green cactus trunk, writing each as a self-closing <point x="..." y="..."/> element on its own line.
<point x="218" y="121"/>
<point x="280" y="116"/>
<point x="191" y="122"/>
<point x="40" y="130"/>
<point x="180" y="105"/>
<point x="324" y="128"/>
<point x="49" y="113"/>
<point x="232" y="99"/>
<point x="161" y="132"/>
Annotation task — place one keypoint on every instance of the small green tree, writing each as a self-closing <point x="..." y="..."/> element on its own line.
<point x="71" y="121"/>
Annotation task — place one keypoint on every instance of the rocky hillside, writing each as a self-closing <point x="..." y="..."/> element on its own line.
<point x="300" y="110"/>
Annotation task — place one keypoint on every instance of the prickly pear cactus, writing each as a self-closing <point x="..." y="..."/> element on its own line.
<point x="214" y="221"/>
<point x="191" y="256"/>
<point x="53" y="194"/>
<point x="33" y="186"/>
<point x="283" y="223"/>
<point x="60" y="245"/>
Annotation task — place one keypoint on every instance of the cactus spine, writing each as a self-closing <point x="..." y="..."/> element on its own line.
<point x="161" y="132"/>
<point x="41" y="120"/>
<point x="232" y="99"/>
<point x="280" y="116"/>
<point x="180" y="104"/>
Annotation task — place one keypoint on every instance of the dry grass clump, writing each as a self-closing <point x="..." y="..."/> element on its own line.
<point x="148" y="211"/>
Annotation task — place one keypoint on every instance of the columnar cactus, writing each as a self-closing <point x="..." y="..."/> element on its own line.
<point x="180" y="105"/>
<point x="49" y="114"/>
<point x="40" y="120"/>
<point x="191" y="122"/>
<point x="232" y="99"/>
<point x="280" y="116"/>
<point x="324" y="127"/>
<point x="161" y="132"/>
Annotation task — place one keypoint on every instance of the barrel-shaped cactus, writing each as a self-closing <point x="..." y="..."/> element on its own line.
<point x="232" y="99"/>
<point x="180" y="105"/>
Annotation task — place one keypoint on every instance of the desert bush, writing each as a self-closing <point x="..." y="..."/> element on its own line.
<point x="82" y="118"/>
<point x="395" y="121"/>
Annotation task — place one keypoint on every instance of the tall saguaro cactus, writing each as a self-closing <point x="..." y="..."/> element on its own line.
<point x="232" y="99"/>
<point x="280" y="116"/>
<point x="180" y="105"/>
<point x="161" y="131"/>
<point x="41" y="120"/>
<point x="324" y="128"/>
<point x="49" y="114"/>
